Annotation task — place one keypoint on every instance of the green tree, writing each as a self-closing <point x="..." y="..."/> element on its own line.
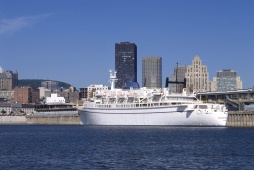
<point x="3" y="111"/>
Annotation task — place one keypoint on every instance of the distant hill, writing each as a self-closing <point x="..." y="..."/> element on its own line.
<point x="37" y="83"/>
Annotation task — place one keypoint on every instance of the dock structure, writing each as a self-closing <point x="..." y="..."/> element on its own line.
<point x="54" y="119"/>
<point x="240" y="119"/>
<point x="239" y="100"/>
<point x="235" y="119"/>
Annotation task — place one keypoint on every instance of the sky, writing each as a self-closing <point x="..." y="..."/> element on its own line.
<point x="74" y="40"/>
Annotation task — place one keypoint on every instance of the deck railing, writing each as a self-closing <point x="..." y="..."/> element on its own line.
<point x="137" y="105"/>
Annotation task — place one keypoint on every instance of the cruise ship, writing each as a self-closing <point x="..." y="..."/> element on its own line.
<point x="145" y="106"/>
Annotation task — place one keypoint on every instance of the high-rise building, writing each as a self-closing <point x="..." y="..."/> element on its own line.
<point x="51" y="85"/>
<point x="178" y="76"/>
<point x="226" y="80"/>
<point x="8" y="80"/>
<point x="197" y="76"/>
<point x="125" y="63"/>
<point x="152" y="72"/>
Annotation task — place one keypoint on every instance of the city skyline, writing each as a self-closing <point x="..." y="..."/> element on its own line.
<point x="74" y="41"/>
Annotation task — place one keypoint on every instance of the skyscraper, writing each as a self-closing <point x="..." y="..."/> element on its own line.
<point x="197" y="76"/>
<point x="152" y="72"/>
<point x="226" y="80"/>
<point x="8" y="79"/>
<point x="179" y="76"/>
<point x="125" y="63"/>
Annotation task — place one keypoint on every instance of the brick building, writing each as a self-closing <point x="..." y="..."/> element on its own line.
<point x="26" y="95"/>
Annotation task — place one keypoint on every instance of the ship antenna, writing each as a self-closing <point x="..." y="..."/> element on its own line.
<point x="113" y="79"/>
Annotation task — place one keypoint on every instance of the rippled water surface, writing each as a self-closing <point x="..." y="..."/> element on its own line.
<point x="125" y="147"/>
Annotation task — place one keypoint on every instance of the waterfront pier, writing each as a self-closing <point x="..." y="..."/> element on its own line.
<point x="238" y="100"/>
<point x="12" y="120"/>
<point x="235" y="119"/>
<point x="240" y="119"/>
<point x="54" y="119"/>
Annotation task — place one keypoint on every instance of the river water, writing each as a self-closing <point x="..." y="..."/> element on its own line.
<point x="125" y="147"/>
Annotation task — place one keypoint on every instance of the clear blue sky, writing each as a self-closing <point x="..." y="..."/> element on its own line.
<point x="73" y="40"/>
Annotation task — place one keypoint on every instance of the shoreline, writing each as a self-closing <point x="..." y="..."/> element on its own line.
<point x="235" y="119"/>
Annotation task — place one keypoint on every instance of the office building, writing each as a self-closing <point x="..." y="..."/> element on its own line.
<point x="44" y="92"/>
<point x="8" y="79"/>
<point x="26" y="95"/>
<point x="125" y="63"/>
<point x="226" y="80"/>
<point x="51" y="85"/>
<point x="197" y="76"/>
<point x="178" y="76"/>
<point x="152" y="72"/>
<point x="83" y="93"/>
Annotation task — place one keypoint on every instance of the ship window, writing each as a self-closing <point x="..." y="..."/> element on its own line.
<point x="202" y="106"/>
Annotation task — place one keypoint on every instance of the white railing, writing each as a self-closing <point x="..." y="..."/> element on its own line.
<point x="137" y="105"/>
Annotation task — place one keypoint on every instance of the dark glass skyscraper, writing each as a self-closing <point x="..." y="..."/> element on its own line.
<point x="125" y="63"/>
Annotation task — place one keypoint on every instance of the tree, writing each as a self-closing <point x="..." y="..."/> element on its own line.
<point x="3" y="111"/>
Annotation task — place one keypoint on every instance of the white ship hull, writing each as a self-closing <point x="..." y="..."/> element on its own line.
<point x="149" y="107"/>
<point x="171" y="116"/>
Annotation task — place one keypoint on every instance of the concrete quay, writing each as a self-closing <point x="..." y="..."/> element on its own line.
<point x="54" y="119"/>
<point x="12" y="119"/>
<point x="50" y="119"/>
<point x="240" y="119"/>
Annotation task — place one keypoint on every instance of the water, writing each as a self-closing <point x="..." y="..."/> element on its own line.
<point x="123" y="147"/>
